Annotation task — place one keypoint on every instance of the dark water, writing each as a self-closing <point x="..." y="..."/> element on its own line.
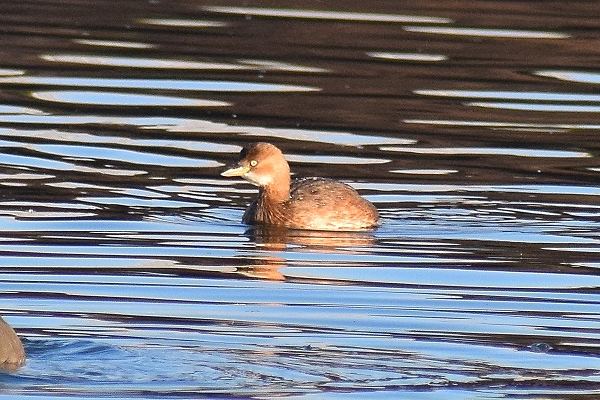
<point x="472" y="126"/>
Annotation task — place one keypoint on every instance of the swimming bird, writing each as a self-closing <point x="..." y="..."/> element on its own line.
<point x="309" y="203"/>
<point x="12" y="354"/>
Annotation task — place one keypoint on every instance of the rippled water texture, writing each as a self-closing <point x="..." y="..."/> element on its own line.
<point x="472" y="126"/>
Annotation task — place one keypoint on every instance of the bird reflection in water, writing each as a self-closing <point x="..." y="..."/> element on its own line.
<point x="279" y="239"/>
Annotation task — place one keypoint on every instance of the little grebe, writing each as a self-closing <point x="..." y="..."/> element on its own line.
<point x="309" y="203"/>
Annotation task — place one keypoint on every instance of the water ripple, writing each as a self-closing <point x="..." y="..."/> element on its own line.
<point x="489" y="151"/>
<point x="123" y="99"/>
<point x="183" y="23"/>
<point x="487" y="32"/>
<point x="325" y="15"/>
<point x="157" y="63"/>
<point x="160" y="84"/>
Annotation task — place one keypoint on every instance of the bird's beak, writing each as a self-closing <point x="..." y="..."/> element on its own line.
<point x="236" y="170"/>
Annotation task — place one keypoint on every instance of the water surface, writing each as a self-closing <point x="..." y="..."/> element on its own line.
<point x="127" y="272"/>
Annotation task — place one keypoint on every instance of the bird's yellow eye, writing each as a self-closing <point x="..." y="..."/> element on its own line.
<point x="253" y="163"/>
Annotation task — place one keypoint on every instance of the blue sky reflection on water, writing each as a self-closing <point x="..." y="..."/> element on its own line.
<point x="159" y="84"/>
<point x="124" y="99"/>
<point x="125" y="267"/>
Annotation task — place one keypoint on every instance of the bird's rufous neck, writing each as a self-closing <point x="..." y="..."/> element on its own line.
<point x="278" y="190"/>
